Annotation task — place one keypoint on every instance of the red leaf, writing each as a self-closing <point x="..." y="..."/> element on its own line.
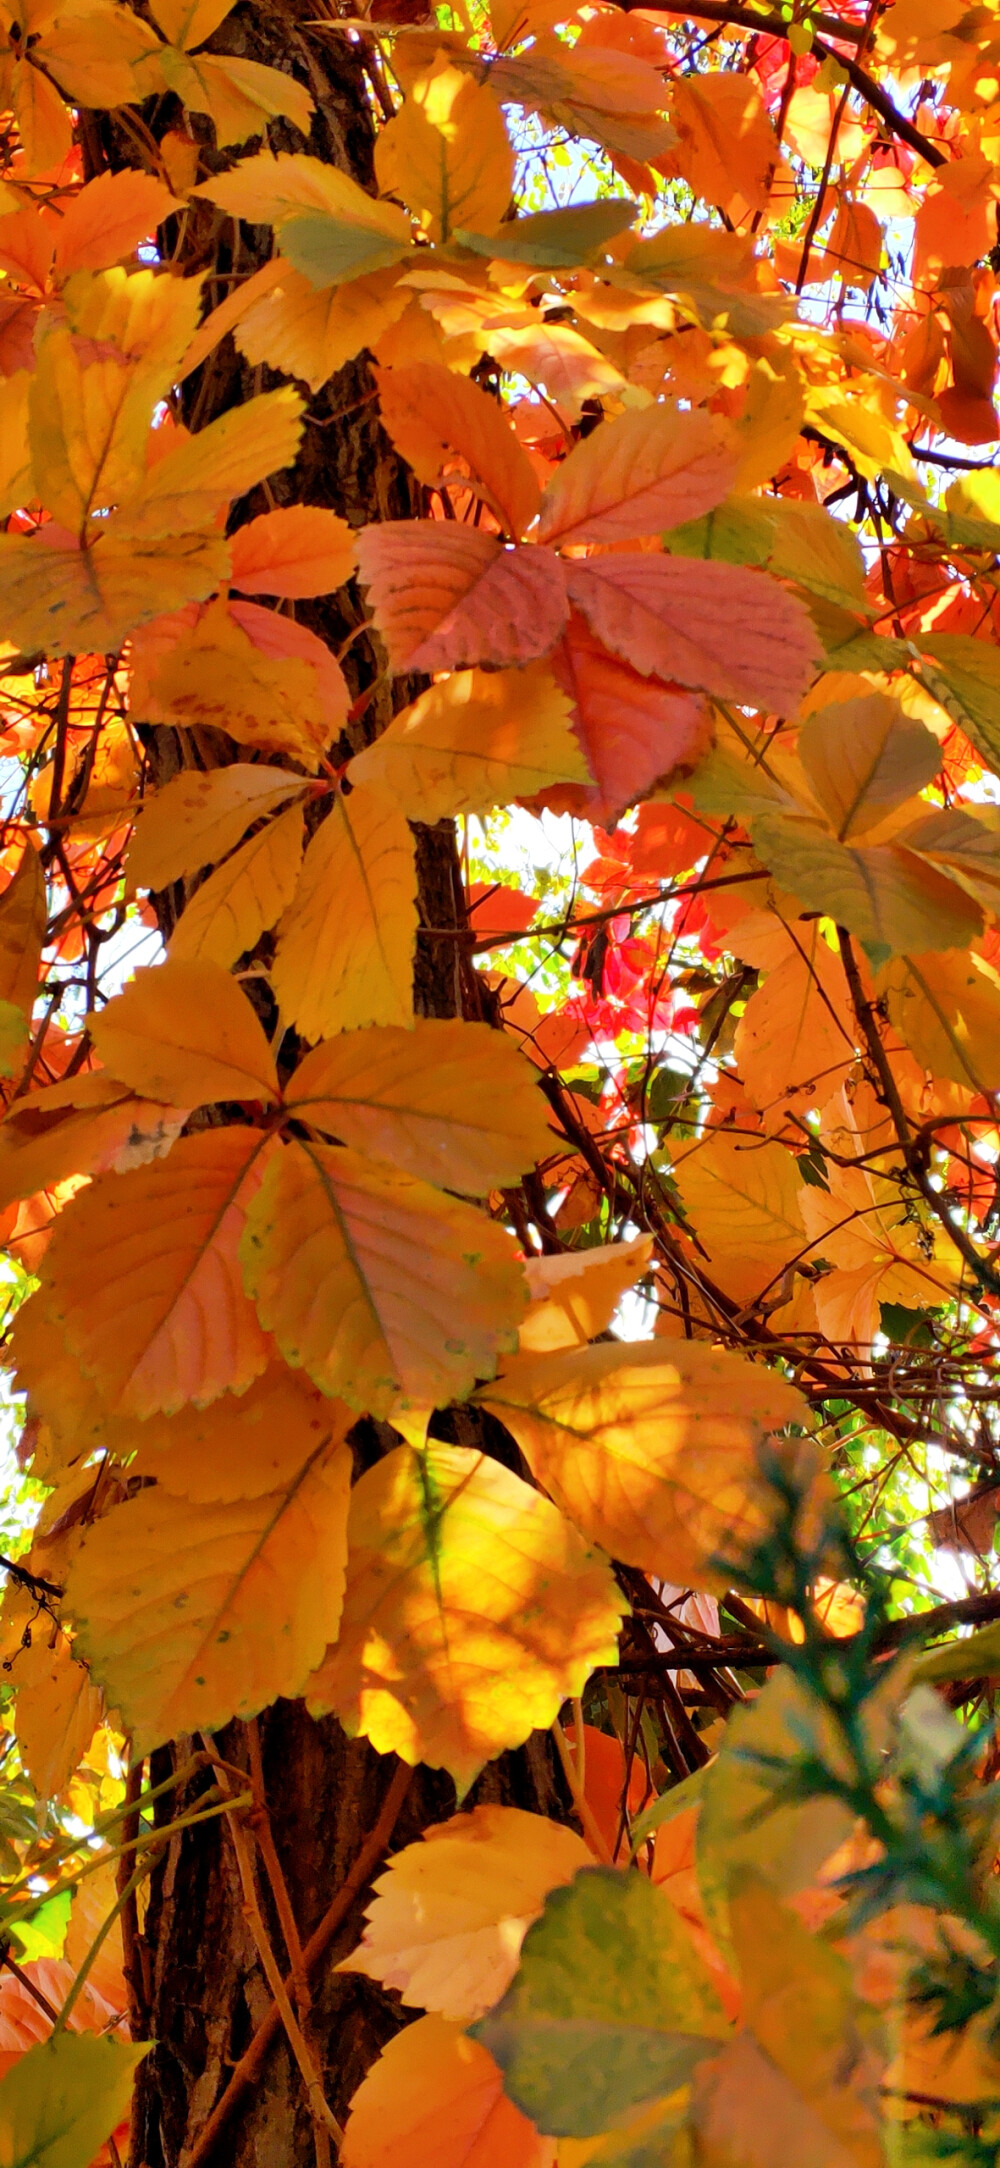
<point x="633" y="729"/>
<point x="446" y="596"/>
<point x="732" y="632"/>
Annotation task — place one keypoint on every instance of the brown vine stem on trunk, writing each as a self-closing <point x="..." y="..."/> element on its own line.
<point x="251" y="2063"/>
<point x="309" y="2069"/>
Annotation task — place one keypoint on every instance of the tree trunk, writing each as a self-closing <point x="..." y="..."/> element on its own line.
<point x="197" y="1986"/>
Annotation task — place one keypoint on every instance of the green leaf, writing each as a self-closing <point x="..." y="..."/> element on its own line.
<point x="14" y="1033"/>
<point x="329" y="251"/>
<point x="552" y="239"/>
<point x="978" y="1657"/>
<point x="63" y="2099"/>
<point x="964" y="675"/>
<point x="686" y="1794"/>
<point x="796" y="541"/>
<point x="611" y="2007"/>
<point x="44" y="1932"/>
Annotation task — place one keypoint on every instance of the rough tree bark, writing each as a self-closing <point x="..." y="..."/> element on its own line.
<point x="197" y="1987"/>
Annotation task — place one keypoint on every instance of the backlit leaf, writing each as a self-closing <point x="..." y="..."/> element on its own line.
<point x="651" y="1451"/>
<point x="634" y="730"/>
<point x="743" y="1196"/>
<point x="344" y="953"/>
<point x="472" y="1611"/>
<point x="23" y="917"/>
<point x="575" y="1297"/>
<point x="195" y="819"/>
<point x="635" y="476"/>
<point x="475" y="740"/>
<point x="185" y="1032"/>
<point x="430" y="413"/>
<point x="448" y="1918"/>
<point x="449" y="595"/>
<point x="244" y="896"/>
<point x="446" y="153"/>
<point x="450" y="1102"/>
<point x="298" y="551"/>
<point x="947" y="1006"/>
<point x="375" y="1283"/>
<point x="670" y="618"/>
<point x="63" y="2098"/>
<point x="243" y="1445"/>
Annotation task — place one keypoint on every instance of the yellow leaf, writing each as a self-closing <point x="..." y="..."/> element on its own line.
<point x="142" y="1274"/>
<point x="268" y="191"/>
<point x="375" y="1283"/>
<point x="743" y="1199"/>
<point x="191" y="1614"/>
<point x="56" y="1712"/>
<point x="214" y="676"/>
<point x="472" y="1611"/>
<point x="574" y="1297"/>
<point x="448" y="1918"/>
<point x="795" y="1038"/>
<point x="196" y="819"/>
<point x="475" y="740"/>
<point x="23" y="919"/>
<point x="450" y="1102"/>
<point x="653" y="1453"/>
<point x="61" y="600"/>
<point x="186" y="1032"/>
<point x="798" y="2087"/>
<point x="240" y="1447"/>
<point x="947" y="1007"/>
<point x="16" y="486"/>
<point x="345" y="945"/>
<point x="308" y="332"/>
<point x="89" y="428"/>
<point x="200" y="474"/>
<point x="447" y="155"/>
<point x="188" y="23"/>
<point x="238" y="95"/>
<point x="863" y="758"/>
<point x="435" y="2099"/>
<point x="243" y="897"/>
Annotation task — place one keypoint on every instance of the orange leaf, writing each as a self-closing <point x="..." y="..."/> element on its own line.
<point x="446" y="595"/>
<point x="435" y="2099"/>
<point x="430" y="412"/>
<point x="345" y="944"/>
<point x="374" y="1282"/>
<point x="108" y="219"/>
<point x="636" y="475"/>
<point x="142" y="1274"/>
<point x="298" y="551"/>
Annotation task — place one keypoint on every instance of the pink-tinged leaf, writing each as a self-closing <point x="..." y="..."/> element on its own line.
<point x="446" y="596"/>
<point x="634" y="730"/>
<point x="280" y="638"/>
<point x="636" y="476"/>
<point x="716" y="626"/>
